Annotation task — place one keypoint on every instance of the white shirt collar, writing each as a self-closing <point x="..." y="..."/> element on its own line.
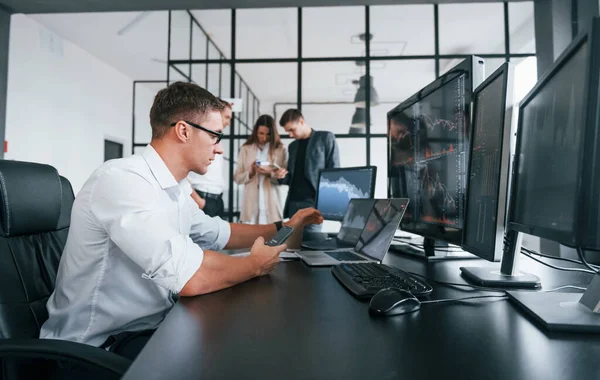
<point x="163" y="175"/>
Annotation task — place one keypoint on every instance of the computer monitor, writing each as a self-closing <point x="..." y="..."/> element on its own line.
<point x="488" y="178"/>
<point x="555" y="193"/>
<point x="338" y="186"/>
<point x="428" y="145"/>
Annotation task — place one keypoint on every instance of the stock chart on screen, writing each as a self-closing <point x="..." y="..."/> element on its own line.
<point x="429" y="146"/>
<point x="357" y="214"/>
<point x="337" y="187"/>
<point x="487" y="165"/>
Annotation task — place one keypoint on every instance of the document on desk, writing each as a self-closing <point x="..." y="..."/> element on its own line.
<point x="283" y="256"/>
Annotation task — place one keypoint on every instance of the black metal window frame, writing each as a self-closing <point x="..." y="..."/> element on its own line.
<point x="241" y="133"/>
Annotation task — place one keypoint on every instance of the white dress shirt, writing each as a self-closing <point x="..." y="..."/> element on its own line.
<point x="211" y="182"/>
<point x="136" y="238"/>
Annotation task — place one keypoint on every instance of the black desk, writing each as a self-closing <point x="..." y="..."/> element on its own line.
<point x="300" y="323"/>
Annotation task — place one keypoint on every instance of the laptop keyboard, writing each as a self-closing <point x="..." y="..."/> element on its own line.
<point x="345" y="256"/>
<point x="366" y="279"/>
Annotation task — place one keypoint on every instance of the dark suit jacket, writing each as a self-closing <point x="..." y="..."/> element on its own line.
<point x="322" y="152"/>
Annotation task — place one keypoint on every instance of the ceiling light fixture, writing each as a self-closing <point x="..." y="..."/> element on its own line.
<point x="360" y="99"/>
<point x="359" y="121"/>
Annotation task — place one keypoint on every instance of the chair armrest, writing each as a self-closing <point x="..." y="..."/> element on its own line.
<point x="61" y="350"/>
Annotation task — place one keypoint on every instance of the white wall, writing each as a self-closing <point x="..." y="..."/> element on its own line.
<point x="62" y="102"/>
<point x="144" y="97"/>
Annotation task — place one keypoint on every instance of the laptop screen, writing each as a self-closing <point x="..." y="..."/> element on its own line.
<point x="355" y="219"/>
<point x="381" y="225"/>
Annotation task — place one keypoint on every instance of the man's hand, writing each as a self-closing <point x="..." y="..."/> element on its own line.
<point x="265" y="258"/>
<point x="280" y="173"/>
<point x="305" y="217"/>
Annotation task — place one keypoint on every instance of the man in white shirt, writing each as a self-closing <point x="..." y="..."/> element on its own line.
<point x="138" y="241"/>
<point x="208" y="188"/>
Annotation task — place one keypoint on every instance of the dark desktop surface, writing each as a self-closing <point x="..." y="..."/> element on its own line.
<point x="300" y="323"/>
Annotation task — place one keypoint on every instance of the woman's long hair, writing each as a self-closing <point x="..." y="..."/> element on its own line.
<point x="274" y="140"/>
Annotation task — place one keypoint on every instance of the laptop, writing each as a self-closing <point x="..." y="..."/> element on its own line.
<point x="373" y="242"/>
<point x="353" y="223"/>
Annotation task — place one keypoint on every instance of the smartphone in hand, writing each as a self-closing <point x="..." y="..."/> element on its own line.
<point x="268" y="164"/>
<point x="280" y="237"/>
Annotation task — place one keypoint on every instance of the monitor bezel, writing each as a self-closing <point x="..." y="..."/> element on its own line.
<point x="561" y="237"/>
<point x="589" y="214"/>
<point x="495" y="250"/>
<point x="475" y="76"/>
<point x="371" y="168"/>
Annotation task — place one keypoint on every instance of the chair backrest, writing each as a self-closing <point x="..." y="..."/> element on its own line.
<point x="35" y="213"/>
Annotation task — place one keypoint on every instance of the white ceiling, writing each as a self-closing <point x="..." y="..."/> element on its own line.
<point x="135" y="53"/>
<point x="140" y="50"/>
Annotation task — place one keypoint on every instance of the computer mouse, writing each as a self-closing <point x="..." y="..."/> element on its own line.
<point x="393" y="301"/>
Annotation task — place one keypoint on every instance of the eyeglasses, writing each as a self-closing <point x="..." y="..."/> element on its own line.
<point x="218" y="135"/>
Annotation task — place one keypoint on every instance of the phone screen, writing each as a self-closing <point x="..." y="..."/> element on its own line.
<point x="280" y="237"/>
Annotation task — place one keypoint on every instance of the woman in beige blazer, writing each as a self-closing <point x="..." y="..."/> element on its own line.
<point x="262" y="203"/>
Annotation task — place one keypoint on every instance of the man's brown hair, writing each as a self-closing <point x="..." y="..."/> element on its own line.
<point x="180" y="101"/>
<point x="290" y="116"/>
<point x="225" y="103"/>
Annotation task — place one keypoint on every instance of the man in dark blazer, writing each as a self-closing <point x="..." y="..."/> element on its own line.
<point x="310" y="152"/>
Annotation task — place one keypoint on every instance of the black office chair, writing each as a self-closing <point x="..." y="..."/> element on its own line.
<point x="35" y="204"/>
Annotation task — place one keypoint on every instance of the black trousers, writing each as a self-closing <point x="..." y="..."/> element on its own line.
<point x="214" y="204"/>
<point x="127" y="344"/>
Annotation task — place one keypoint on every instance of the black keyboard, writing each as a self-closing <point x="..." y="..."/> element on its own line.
<point x="366" y="279"/>
<point x="345" y="256"/>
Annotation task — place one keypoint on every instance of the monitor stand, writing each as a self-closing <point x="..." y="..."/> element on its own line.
<point x="570" y="312"/>
<point x="430" y="253"/>
<point x="508" y="276"/>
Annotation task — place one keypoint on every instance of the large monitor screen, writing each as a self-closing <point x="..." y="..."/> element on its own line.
<point x="486" y="196"/>
<point x="429" y="144"/>
<point x="338" y="186"/>
<point x="549" y="148"/>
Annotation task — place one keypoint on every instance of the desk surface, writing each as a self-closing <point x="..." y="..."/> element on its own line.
<point x="300" y="323"/>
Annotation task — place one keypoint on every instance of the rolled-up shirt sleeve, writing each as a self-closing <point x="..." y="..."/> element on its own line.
<point x="209" y="232"/>
<point x="136" y="222"/>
